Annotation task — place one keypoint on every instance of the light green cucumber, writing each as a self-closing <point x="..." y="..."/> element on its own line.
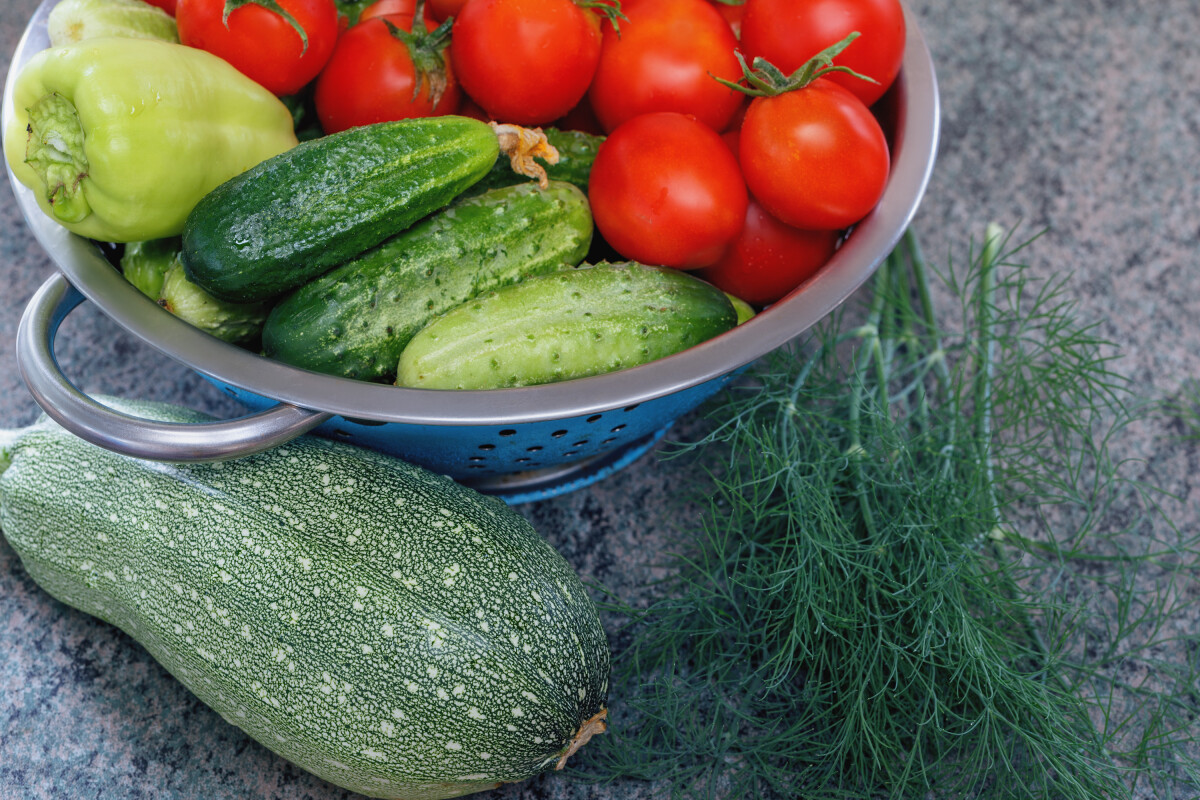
<point x="379" y="625"/>
<point x="230" y="322"/>
<point x="570" y="324"/>
<point x="354" y="320"/>
<point x="145" y="264"/>
<point x="293" y="217"/>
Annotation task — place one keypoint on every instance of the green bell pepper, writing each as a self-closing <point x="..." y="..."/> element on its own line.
<point x="120" y="138"/>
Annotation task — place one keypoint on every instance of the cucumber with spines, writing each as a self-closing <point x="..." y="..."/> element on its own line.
<point x="569" y="324"/>
<point x="299" y="214"/>
<point x="354" y="320"/>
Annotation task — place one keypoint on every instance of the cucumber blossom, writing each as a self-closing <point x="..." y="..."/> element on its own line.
<point x="569" y="324"/>
<point x="379" y="625"/>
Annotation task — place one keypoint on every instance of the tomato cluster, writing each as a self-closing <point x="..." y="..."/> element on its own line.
<point x="740" y="140"/>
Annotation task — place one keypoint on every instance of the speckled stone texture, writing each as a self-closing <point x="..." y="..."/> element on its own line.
<point x="1078" y="119"/>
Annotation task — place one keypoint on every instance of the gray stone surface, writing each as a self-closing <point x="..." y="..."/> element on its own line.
<point x="1082" y="119"/>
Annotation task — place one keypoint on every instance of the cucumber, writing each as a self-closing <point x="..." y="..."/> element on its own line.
<point x="145" y="264"/>
<point x="379" y="625"/>
<point x="570" y="324"/>
<point x="292" y="217"/>
<point x="354" y="320"/>
<point x="229" y="322"/>
<point x="576" y="152"/>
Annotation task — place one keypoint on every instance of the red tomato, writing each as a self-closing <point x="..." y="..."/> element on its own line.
<point x="788" y="33"/>
<point x="441" y="9"/>
<point x="261" y="43"/>
<point x="526" y="61"/>
<point x="664" y="60"/>
<point x="732" y="13"/>
<point x="814" y="157"/>
<point x="166" y="5"/>
<point x="768" y="258"/>
<point x="666" y="190"/>
<point x="403" y="8"/>
<point x="372" y="77"/>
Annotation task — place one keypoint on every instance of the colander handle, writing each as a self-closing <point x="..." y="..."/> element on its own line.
<point x="129" y="435"/>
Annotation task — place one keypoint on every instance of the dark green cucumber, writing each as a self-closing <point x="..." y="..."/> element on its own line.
<point x="570" y="324"/>
<point x="295" y="216"/>
<point x="354" y="320"/>
<point x="372" y="622"/>
<point x="576" y="152"/>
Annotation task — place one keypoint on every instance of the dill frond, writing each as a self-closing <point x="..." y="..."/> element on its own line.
<point x="919" y="575"/>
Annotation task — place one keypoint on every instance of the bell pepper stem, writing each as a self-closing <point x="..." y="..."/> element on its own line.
<point x="55" y="152"/>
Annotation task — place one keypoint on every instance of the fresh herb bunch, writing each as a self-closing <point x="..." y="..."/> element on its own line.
<point x="912" y="579"/>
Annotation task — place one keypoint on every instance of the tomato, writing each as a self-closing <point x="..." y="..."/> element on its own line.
<point x="814" y="157"/>
<point x="767" y="259"/>
<point x="377" y="73"/>
<point x="442" y="9"/>
<point x="666" y="190"/>
<point x="403" y="8"/>
<point x="166" y="5"/>
<point x="787" y="33"/>
<point x="664" y="59"/>
<point x="263" y="44"/>
<point x="733" y="13"/>
<point x="526" y="61"/>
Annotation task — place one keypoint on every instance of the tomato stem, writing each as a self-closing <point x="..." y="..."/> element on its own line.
<point x="608" y="9"/>
<point x="425" y="48"/>
<point x="764" y="79"/>
<point x="273" y="7"/>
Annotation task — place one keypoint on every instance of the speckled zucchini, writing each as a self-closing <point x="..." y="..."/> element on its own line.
<point x="376" y="624"/>
<point x="292" y="217"/>
<point x="354" y="320"/>
<point x="570" y="324"/>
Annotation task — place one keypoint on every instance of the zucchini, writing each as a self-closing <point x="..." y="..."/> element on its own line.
<point x="391" y="631"/>
<point x="576" y="152"/>
<point x="354" y="320"/>
<point x="571" y="324"/>
<point x="292" y="217"/>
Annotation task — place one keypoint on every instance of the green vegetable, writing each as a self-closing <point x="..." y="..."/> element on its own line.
<point x="145" y="264"/>
<point x="230" y="322"/>
<point x="72" y="21"/>
<point x="381" y="626"/>
<point x="918" y="571"/>
<point x="297" y="215"/>
<point x="569" y="324"/>
<point x="120" y="138"/>
<point x="354" y="320"/>
<point x="576" y="152"/>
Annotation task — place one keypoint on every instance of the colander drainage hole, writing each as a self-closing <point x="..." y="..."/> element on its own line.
<point x="533" y="449"/>
<point x="632" y="407"/>
<point x="508" y="432"/>
<point x="580" y="443"/>
<point x="619" y="428"/>
<point x="477" y="458"/>
<point x="559" y="434"/>
<point x="595" y="418"/>
<point x="487" y="447"/>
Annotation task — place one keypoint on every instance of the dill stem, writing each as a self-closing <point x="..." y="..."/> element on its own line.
<point x="985" y="371"/>
<point x="870" y="350"/>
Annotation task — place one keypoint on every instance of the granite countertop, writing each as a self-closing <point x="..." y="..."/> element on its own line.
<point x="1080" y="119"/>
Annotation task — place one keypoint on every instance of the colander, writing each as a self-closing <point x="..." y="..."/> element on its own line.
<point x="521" y="444"/>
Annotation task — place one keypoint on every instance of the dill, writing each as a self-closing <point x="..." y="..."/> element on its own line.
<point x="920" y="572"/>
